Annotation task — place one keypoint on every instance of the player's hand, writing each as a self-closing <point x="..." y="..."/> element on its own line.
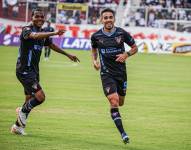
<point x="96" y="64"/>
<point x="121" y="57"/>
<point x="60" y="32"/>
<point x="73" y="58"/>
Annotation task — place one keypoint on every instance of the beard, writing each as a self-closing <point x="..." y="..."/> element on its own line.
<point x="109" y="26"/>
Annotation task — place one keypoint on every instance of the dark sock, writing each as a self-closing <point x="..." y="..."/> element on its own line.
<point x="115" y="115"/>
<point x="17" y="124"/>
<point x="29" y="105"/>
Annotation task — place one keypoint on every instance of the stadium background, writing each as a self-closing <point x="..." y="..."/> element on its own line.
<point x="75" y="115"/>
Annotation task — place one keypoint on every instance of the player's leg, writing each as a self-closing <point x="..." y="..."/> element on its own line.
<point x="49" y="50"/>
<point x="34" y="92"/>
<point x="121" y="90"/>
<point x="29" y="105"/>
<point x="121" y="100"/>
<point x="17" y="128"/>
<point x="115" y="115"/>
<point x="110" y="90"/>
<point x="45" y="51"/>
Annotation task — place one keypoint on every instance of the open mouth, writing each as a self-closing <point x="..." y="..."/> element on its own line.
<point x="109" y="25"/>
<point x="40" y="22"/>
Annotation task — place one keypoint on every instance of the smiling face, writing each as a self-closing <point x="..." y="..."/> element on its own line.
<point x="108" y="20"/>
<point x="38" y="19"/>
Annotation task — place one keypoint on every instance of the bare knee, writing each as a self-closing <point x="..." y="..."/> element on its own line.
<point x="114" y="100"/>
<point x="40" y="96"/>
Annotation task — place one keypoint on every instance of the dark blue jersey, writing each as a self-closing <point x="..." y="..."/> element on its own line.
<point x="48" y="29"/>
<point x="30" y="50"/>
<point x="109" y="45"/>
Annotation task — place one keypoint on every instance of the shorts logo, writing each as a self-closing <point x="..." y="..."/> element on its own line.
<point x="107" y="89"/>
<point x="34" y="86"/>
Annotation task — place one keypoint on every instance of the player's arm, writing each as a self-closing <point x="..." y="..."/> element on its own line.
<point x="134" y="50"/>
<point x="94" y="58"/>
<point x="122" y="57"/>
<point x="42" y="35"/>
<point x="59" y="50"/>
<point x="94" y="53"/>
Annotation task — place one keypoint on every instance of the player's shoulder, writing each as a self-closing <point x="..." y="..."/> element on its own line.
<point x="97" y="33"/>
<point x="27" y="27"/>
<point x="121" y="30"/>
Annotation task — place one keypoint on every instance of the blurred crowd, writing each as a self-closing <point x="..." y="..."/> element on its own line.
<point x="152" y="13"/>
<point x="144" y="13"/>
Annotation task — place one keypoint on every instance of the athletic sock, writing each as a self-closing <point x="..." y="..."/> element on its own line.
<point x="115" y="115"/>
<point x="29" y="105"/>
<point x="17" y="123"/>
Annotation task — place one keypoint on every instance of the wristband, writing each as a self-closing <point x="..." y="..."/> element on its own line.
<point x="128" y="53"/>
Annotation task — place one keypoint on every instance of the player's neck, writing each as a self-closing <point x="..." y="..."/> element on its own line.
<point x="37" y="28"/>
<point x="109" y="30"/>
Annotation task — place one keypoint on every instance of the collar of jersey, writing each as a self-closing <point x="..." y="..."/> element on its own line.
<point x="109" y="33"/>
<point x="35" y="29"/>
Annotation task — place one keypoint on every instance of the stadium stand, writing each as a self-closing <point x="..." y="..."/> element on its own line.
<point x="140" y="13"/>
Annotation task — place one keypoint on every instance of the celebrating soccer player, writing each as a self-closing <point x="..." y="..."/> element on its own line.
<point x="33" y="38"/>
<point x="109" y="43"/>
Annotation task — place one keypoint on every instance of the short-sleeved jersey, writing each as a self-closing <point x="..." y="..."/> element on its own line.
<point x="110" y="45"/>
<point x="48" y="29"/>
<point x="30" y="50"/>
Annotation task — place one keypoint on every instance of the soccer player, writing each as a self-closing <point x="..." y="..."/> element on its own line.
<point x="48" y="28"/>
<point x="27" y="68"/>
<point x="109" y="43"/>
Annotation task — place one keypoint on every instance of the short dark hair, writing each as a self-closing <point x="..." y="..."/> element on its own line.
<point x="108" y="10"/>
<point x="36" y="9"/>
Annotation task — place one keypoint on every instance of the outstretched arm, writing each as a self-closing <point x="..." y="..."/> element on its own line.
<point x="59" y="50"/>
<point x="94" y="59"/>
<point x="122" y="57"/>
<point x="42" y="35"/>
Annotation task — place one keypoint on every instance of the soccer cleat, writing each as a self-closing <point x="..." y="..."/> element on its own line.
<point x="125" y="138"/>
<point x="17" y="130"/>
<point x="22" y="117"/>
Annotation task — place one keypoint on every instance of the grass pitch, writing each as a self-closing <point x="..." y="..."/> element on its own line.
<point x="75" y="115"/>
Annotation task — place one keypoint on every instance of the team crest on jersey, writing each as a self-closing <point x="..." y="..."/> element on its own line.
<point x="118" y="39"/>
<point x="101" y="41"/>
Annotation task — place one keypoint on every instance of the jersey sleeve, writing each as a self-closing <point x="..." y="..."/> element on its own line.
<point x="48" y="41"/>
<point x="93" y="42"/>
<point x="26" y="32"/>
<point x="128" y="39"/>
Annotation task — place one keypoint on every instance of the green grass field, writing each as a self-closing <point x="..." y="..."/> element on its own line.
<point x="75" y="116"/>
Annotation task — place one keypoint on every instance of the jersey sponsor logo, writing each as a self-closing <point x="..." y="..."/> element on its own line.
<point x="103" y="51"/>
<point x="110" y="50"/>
